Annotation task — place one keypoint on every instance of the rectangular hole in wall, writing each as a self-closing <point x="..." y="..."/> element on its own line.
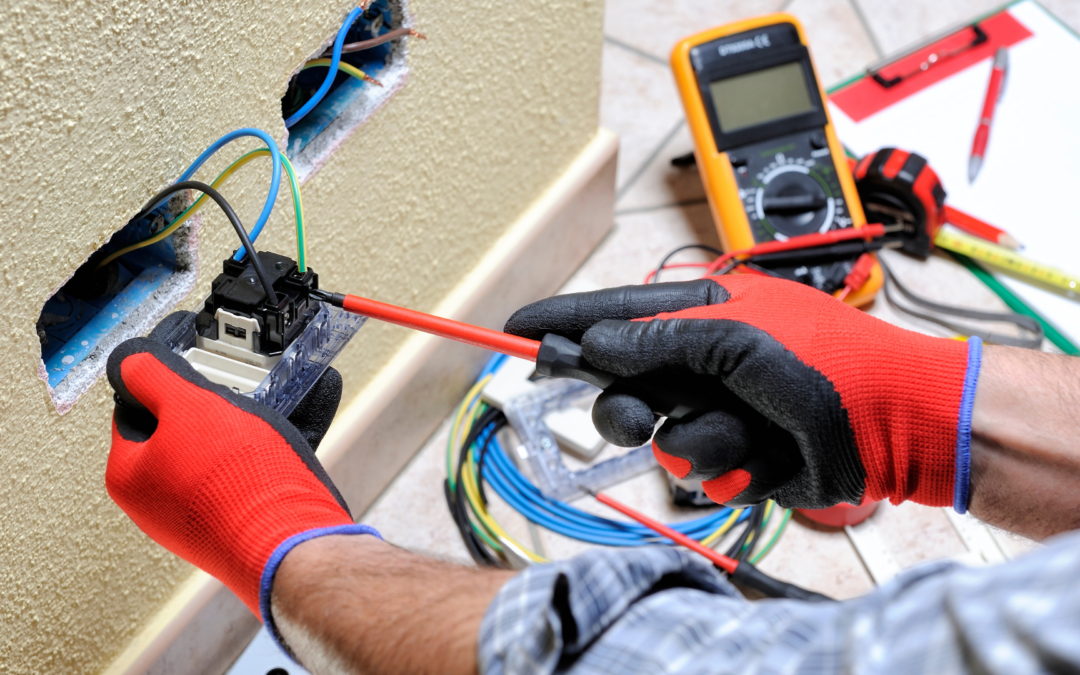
<point x="103" y="305"/>
<point x="350" y="101"/>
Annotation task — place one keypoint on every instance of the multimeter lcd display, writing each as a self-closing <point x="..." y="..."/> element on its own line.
<point x="761" y="96"/>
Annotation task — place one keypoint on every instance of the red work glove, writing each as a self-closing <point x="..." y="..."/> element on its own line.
<point x="221" y="481"/>
<point x="816" y="402"/>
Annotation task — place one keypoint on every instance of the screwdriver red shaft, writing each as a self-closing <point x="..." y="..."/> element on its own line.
<point x="494" y="340"/>
<point x="719" y="559"/>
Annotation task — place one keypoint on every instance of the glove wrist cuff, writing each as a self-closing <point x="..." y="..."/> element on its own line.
<point x="961" y="490"/>
<point x="266" y="583"/>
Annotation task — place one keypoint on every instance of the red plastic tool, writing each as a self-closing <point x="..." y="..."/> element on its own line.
<point x="725" y="563"/>
<point x="494" y="340"/>
<point x="868" y="232"/>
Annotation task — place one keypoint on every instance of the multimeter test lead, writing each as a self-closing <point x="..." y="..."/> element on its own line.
<point x="742" y="572"/>
<point x="806" y="241"/>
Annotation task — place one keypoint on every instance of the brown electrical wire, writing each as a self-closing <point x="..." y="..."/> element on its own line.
<point x="382" y="39"/>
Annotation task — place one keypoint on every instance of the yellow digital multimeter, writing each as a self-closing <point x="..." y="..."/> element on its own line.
<point x="765" y="146"/>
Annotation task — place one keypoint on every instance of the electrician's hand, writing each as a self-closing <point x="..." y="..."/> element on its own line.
<point x="221" y="481"/>
<point x="816" y="402"/>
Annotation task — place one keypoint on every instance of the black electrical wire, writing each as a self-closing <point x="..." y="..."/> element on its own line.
<point x="245" y="240"/>
<point x="473" y="542"/>
<point x="758" y="533"/>
<point x="753" y="525"/>
<point x="699" y="247"/>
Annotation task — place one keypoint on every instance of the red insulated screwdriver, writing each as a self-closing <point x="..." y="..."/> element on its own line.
<point x="555" y="356"/>
<point x="494" y="340"/>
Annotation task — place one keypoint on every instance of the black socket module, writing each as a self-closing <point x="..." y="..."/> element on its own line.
<point x="237" y="290"/>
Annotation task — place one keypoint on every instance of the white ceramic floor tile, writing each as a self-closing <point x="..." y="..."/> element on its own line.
<point x="641" y="239"/>
<point x="655" y="27"/>
<point x="639" y="102"/>
<point x="412" y="512"/>
<point x="660" y="184"/>
<point x="1066" y="10"/>
<point x="818" y="558"/>
<point x="838" y="41"/>
<point x="899" y="24"/>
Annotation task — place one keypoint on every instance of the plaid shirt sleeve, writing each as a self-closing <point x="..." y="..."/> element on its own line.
<point x="661" y="610"/>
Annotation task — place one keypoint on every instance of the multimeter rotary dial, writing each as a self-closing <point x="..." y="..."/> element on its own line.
<point x="789" y="190"/>
<point x="794" y="196"/>
<point x="791" y="202"/>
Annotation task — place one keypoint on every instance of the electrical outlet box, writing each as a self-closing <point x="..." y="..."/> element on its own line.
<point x="350" y="102"/>
<point x="99" y="306"/>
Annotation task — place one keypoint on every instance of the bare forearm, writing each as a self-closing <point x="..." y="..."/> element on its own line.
<point x="1025" y="454"/>
<point x="354" y="604"/>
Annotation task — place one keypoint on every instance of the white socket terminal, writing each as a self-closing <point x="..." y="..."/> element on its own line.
<point x="231" y="360"/>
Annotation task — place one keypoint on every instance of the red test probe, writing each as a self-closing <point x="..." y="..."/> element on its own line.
<point x="867" y="232"/>
<point x="742" y="572"/>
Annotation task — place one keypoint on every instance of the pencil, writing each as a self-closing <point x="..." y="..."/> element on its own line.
<point x="980" y="228"/>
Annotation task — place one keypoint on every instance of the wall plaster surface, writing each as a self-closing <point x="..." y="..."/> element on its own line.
<point x="103" y="103"/>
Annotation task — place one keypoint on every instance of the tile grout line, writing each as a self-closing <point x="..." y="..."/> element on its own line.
<point x="634" y="50"/>
<point x="672" y="205"/>
<point x="620" y="192"/>
<point x="866" y="27"/>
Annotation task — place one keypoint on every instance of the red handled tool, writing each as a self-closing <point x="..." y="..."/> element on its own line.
<point x="866" y="232"/>
<point x="555" y="355"/>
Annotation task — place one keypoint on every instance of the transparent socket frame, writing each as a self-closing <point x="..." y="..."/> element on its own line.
<point x="301" y="364"/>
<point x="550" y="474"/>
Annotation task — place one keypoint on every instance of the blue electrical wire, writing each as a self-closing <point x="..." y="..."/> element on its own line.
<point x="275" y="180"/>
<point x="516" y="490"/>
<point x="331" y="72"/>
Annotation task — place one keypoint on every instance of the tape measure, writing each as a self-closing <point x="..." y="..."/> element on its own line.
<point x="769" y="158"/>
<point x="1008" y="260"/>
<point x="896" y="186"/>
<point x="899" y="186"/>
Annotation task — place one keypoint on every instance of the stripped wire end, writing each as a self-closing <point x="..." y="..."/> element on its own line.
<point x="417" y="34"/>
<point x="368" y="78"/>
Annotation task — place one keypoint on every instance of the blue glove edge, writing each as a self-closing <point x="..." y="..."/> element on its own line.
<point x="962" y="489"/>
<point x="266" y="583"/>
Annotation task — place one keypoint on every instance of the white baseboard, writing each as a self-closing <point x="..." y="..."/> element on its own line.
<point x="203" y="628"/>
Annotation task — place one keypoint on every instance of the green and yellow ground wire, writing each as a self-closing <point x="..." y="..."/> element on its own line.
<point x="298" y="209"/>
<point x="343" y="67"/>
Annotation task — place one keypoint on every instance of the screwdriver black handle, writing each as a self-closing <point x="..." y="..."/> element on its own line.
<point x="561" y="357"/>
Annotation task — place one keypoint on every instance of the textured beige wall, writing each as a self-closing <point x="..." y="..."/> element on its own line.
<point x="106" y="102"/>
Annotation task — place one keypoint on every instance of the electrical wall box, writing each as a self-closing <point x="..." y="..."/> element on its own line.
<point x="273" y="353"/>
